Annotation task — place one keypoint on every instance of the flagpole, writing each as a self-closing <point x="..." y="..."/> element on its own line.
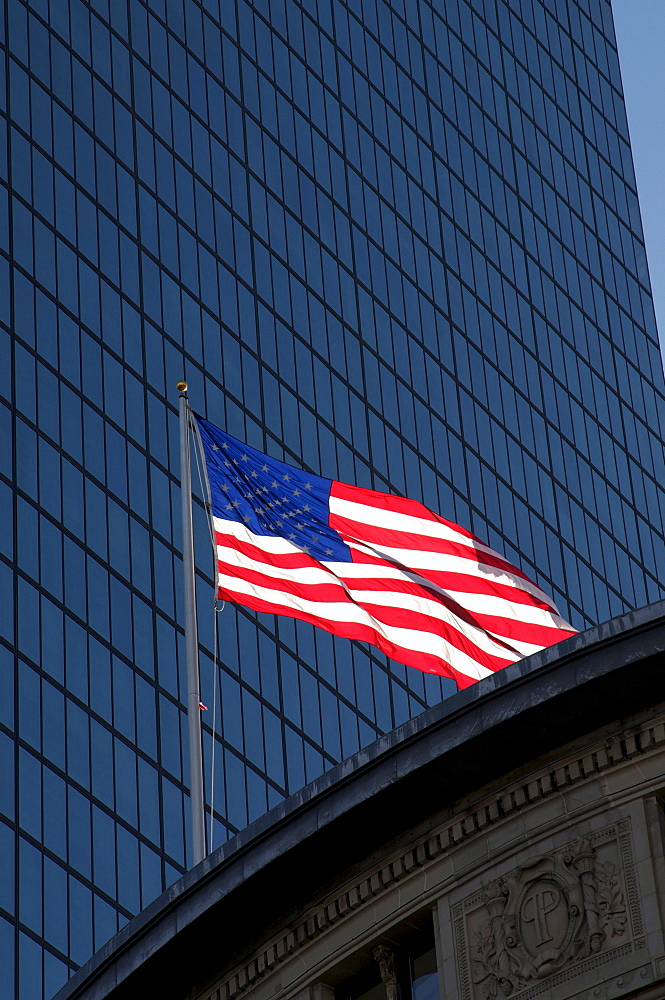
<point x="191" y="637"/>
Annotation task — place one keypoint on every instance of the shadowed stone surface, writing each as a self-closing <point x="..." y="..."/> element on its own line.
<point x="524" y="810"/>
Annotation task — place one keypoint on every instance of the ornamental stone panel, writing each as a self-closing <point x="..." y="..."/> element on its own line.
<point x="561" y="916"/>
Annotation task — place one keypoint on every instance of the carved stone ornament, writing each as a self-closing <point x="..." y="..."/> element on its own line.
<point x="386" y="959"/>
<point x="555" y="910"/>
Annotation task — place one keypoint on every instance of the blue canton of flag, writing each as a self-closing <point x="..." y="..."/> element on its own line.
<point x="269" y="497"/>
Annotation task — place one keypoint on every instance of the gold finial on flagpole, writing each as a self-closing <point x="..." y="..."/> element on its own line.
<point x="181" y="386"/>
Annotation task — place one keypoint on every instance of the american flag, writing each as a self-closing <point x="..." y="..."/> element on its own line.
<point x="370" y="566"/>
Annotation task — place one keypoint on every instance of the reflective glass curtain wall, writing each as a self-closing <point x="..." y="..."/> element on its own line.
<point x="397" y="242"/>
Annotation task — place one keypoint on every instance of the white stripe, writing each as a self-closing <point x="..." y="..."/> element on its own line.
<point x="442" y="563"/>
<point x="420" y="604"/>
<point x="380" y="517"/>
<point x="271" y="543"/>
<point x="306" y="575"/>
<point x="489" y="604"/>
<point x="480" y="637"/>
<point x="411" y="558"/>
<point x="341" y="572"/>
<point x="477" y="603"/>
<point x="412" y="639"/>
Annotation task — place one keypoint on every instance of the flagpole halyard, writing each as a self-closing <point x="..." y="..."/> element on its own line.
<point x="191" y="636"/>
<point x="204" y="482"/>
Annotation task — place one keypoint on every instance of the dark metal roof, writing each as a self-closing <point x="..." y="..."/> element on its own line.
<point x="208" y="920"/>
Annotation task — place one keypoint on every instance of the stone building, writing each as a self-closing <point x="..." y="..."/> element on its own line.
<point x="506" y="843"/>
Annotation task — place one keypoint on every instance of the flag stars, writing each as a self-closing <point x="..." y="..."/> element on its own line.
<point x="225" y="446"/>
<point x="215" y="447"/>
<point x="261" y="503"/>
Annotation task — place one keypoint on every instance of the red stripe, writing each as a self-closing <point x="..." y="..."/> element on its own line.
<point x="467" y="584"/>
<point x="392" y="502"/>
<point x="333" y="591"/>
<point x="421" y="583"/>
<point x="509" y="628"/>
<point x="371" y="534"/>
<point x="498" y="625"/>
<point x="426" y="662"/>
<point x="398" y="617"/>
<point x="420" y="621"/>
<point x="287" y="560"/>
<point x="463" y="582"/>
<point x="326" y="593"/>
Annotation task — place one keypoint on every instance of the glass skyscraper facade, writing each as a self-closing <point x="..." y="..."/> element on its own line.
<point x="396" y="242"/>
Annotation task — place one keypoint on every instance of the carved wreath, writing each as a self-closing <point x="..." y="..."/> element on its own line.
<point x="502" y="963"/>
<point x="611" y="900"/>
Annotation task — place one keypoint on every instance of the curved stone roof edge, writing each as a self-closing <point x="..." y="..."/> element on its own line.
<point x="449" y="725"/>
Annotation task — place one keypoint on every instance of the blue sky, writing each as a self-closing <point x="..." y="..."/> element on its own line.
<point x="640" y="29"/>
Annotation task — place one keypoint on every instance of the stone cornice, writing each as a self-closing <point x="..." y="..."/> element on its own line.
<point x="519" y="795"/>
